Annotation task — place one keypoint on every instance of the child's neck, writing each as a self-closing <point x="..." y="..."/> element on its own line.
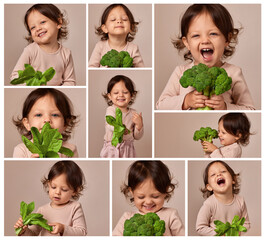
<point x="224" y="198"/>
<point x="50" y="47"/>
<point x="117" y="42"/>
<point x="123" y="109"/>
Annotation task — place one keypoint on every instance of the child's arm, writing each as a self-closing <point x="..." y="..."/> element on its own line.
<point x="118" y="230"/>
<point x="245" y="215"/>
<point x="231" y="151"/>
<point x="137" y="58"/>
<point x="208" y="147"/>
<point x="69" y="78"/>
<point x="138" y="125"/>
<point x="95" y="57"/>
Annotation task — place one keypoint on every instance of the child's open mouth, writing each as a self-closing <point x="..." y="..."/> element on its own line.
<point x="207" y="54"/>
<point x="221" y="181"/>
<point x="41" y="34"/>
<point x="149" y="208"/>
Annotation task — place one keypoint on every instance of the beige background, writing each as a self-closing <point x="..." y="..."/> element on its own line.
<point x="14" y="100"/>
<point x="248" y="50"/>
<point x="250" y="175"/>
<point x="98" y="81"/>
<point x="15" y="32"/>
<point x="121" y="205"/>
<point x="23" y="183"/>
<point x="141" y="12"/>
<point x="174" y="134"/>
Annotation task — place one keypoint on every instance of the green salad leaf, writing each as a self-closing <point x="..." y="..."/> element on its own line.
<point x="228" y="229"/>
<point x="119" y="127"/>
<point x="32" y="77"/>
<point x="30" y="218"/>
<point x="47" y="143"/>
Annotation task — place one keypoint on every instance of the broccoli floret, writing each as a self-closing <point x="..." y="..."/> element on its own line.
<point x="205" y="134"/>
<point x="116" y="59"/>
<point x="144" y="225"/>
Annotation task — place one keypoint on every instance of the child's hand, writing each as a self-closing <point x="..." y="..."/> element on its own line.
<point x="216" y="102"/>
<point x="137" y="120"/>
<point x="195" y="100"/>
<point x="57" y="228"/>
<point x="19" y="224"/>
<point x="208" y="147"/>
<point x="35" y="155"/>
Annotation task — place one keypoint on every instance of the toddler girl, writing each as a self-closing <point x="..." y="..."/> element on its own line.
<point x="46" y="25"/>
<point x="121" y="94"/>
<point x="233" y="130"/>
<point x="221" y="186"/>
<point x="149" y="185"/>
<point x="208" y="34"/>
<point x="45" y="105"/>
<point x="117" y="31"/>
<point x="64" y="185"/>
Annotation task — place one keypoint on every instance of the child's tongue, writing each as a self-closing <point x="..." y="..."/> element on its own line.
<point x="207" y="56"/>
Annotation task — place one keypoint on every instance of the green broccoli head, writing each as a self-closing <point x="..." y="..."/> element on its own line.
<point x="205" y="134"/>
<point x="223" y="83"/>
<point x="116" y="59"/>
<point x="127" y="62"/>
<point x="144" y="225"/>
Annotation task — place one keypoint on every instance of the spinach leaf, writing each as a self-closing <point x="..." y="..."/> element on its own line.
<point x="30" y="218"/>
<point x="119" y="127"/>
<point x="47" y="143"/>
<point x="32" y="77"/>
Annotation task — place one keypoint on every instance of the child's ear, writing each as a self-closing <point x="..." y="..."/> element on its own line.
<point x="60" y="23"/>
<point x="238" y="136"/>
<point x="104" y="28"/>
<point x="25" y="122"/>
<point x="185" y="41"/>
<point x="209" y="188"/>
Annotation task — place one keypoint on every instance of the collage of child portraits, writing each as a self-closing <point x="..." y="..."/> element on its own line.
<point x="131" y="119"/>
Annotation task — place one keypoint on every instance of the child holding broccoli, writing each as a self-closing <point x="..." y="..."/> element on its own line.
<point x="233" y="131"/>
<point x="64" y="185"/>
<point x="121" y="94"/>
<point x="221" y="188"/>
<point x="117" y="31"/>
<point x="149" y="185"/>
<point x="46" y="25"/>
<point x="207" y="32"/>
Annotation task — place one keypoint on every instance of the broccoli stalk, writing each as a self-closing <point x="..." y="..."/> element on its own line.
<point x="205" y="134"/>
<point x="144" y="225"/>
<point x="208" y="81"/>
<point x="117" y="59"/>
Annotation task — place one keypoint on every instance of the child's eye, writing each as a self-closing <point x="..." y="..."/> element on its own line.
<point x="65" y="190"/>
<point x="32" y="28"/>
<point x="214" y="34"/>
<point x="195" y="35"/>
<point x="55" y="115"/>
<point x="141" y="197"/>
<point x="43" y="22"/>
<point x="213" y="175"/>
<point x="38" y="115"/>
<point x="155" y="197"/>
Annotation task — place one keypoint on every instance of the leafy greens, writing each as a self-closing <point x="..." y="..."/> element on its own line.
<point x="47" y="143"/>
<point x="119" y="127"/>
<point x="30" y="218"/>
<point x="32" y="77"/>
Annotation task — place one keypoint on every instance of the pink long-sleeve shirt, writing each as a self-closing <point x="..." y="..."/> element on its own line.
<point x="212" y="210"/>
<point x="102" y="47"/>
<point x="71" y="216"/>
<point x="237" y="98"/>
<point x="173" y="223"/>
<point x="21" y="151"/>
<point x="61" y="61"/>
<point x="230" y="151"/>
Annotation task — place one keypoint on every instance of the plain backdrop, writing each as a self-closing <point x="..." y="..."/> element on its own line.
<point x="14" y="100"/>
<point x="142" y="13"/>
<point x="250" y="182"/>
<point x="98" y="81"/>
<point x="120" y="204"/>
<point x="247" y="54"/>
<point x="23" y="183"/>
<point x="15" y="33"/>
<point x="174" y="134"/>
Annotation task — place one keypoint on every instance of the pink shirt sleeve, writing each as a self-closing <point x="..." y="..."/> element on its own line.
<point x="231" y="151"/>
<point x="96" y="55"/>
<point x="118" y="230"/>
<point x="69" y="72"/>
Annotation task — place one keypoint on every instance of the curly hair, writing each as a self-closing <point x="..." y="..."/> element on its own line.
<point x="104" y="17"/>
<point x="235" y="176"/>
<point x="139" y="171"/>
<point x="52" y="12"/>
<point x="62" y="102"/>
<point x="222" y="19"/>
<point x="74" y="176"/>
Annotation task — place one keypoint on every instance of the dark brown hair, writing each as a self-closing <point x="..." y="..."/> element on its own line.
<point x="128" y="84"/>
<point x="52" y="12"/>
<point x="237" y="124"/>
<point x="235" y="177"/>
<point x="221" y="18"/>
<point x="74" y="176"/>
<point x="104" y="17"/>
<point x="62" y="102"/>
<point x="142" y="170"/>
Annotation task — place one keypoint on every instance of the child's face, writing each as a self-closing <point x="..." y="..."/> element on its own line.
<point x="220" y="180"/>
<point x="59" y="192"/>
<point x="43" y="30"/>
<point x="44" y="110"/>
<point x="205" y="41"/>
<point x="117" y="23"/>
<point x="225" y="137"/>
<point x="147" y="198"/>
<point x="120" y="96"/>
